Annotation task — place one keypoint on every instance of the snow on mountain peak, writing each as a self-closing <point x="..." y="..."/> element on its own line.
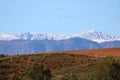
<point x="6" y="36"/>
<point x="95" y="36"/>
<point x="90" y="34"/>
<point x="39" y="36"/>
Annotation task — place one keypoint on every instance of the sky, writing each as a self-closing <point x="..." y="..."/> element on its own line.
<point x="60" y="16"/>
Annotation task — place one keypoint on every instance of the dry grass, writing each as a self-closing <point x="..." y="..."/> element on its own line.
<point x="96" y="52"/>
<point x="59" y="62"/>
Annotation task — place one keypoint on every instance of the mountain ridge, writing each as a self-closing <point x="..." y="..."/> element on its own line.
<point x="90" y="35"/>
<point x="31" y="42"/>
<point x="31" y="46"/>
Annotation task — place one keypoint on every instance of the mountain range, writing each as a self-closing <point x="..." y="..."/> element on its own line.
<point x="31" y="42"/>
<point x="90" y="35"/>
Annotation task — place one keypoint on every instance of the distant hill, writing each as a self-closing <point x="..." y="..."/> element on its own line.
<point x="111" y="44"/>
<point x="80" y="64"/>
<point x="31" y="46"/>
<point x="96" y="52"/>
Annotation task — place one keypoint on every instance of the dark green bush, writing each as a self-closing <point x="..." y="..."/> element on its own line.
<point x="114" y="71"/>
<point x="2" y="55"/>
<point x="37" y="72"/>
<point x="15" y="77"/>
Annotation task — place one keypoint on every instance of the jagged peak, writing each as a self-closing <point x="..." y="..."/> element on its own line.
<point x="89" y="34"/>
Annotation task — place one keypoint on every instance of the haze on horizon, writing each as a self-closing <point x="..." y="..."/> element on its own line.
<point x="60" y="16"/>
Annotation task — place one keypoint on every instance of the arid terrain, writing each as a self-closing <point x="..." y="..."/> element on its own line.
<point x="64" y="65"/>
<point x="95" y="52"/>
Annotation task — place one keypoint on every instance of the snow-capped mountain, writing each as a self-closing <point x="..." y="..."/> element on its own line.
<point x="30" y="42"/>
<point x="6" y="36"/>
<point x="31" y="36"/>
<point x="96" y="36"/>
<point x="90" y="34"/>
<point x="38" y="36"/>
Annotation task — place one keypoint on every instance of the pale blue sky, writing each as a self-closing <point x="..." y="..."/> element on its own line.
<point x="60" y="16"/>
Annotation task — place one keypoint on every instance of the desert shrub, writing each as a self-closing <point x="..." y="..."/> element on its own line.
<point x="15" y="77"/>
<point x="2" y="55"/>
<point x="2" y="72"/>
<point x="58" y="77"/>
<point x="109" y="70"/>
<point x="114" y="71"/>
<point x="72" y="76"/>
<point x="1" y="60"/>
<point x="37" y="72"/>
<point x="4" y="65"/>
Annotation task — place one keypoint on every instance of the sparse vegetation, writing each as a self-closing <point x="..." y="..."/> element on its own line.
<point x="37" y="72"/>
<point x="60" y="66"/>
